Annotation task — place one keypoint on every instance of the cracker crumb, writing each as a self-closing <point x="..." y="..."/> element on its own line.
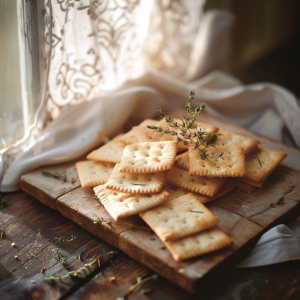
<point x="33" y="281"/>
<point x="13" y="244"/>
<point x="16" y="257"/>
<point x="112" y="278"/>
<point x="181" y="270"/>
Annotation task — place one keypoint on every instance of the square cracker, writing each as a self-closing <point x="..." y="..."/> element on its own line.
<point x="242" y="185"/>
<point x="128" y="138"/>
<point x="232" y="139"/>
<point x="110" y="152"/>
<point x="176" y="192"/>
<point x="269" y="161"/>
<point x="179" y="218"/>
<point x="204" y="242"/>
<point x="144" y="183"/>
<point x="92" y="173"/>
<point x="182" y="161"/>
<point x="232" y="164"/>
<point x="122" y="205"/>
<point x="201" y="185"/>
<point x="148" y="157"/>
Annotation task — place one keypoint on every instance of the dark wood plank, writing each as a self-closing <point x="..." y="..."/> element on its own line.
<point x="32" y="226"/>
<point x="123" y="270"/>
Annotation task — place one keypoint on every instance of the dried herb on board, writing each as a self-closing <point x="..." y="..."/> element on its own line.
<point x="3" y="202"/>
<point x="61" y="258"/>
<point x="2" y="233"/>
<point x="189" y="131"/>
<point x="75" y="273"/>
<point x="140" y="282"/>
<point x="55" y="175"/>
<point x="281" y="199"/>
<point x="64" y="239"/>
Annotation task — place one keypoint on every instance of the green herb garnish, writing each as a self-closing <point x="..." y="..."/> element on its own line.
<point x="2" y="233"/>
<point x="187" y="131"/>
<point x="113" y="252"/>
<point x="55" y="175"/>
<point x="281" y="199"/>
<point x="147" y="290"/>
<point x="97" y="221"/>
<point x="140" y="282"/>
<point x="259" y="162"/>
<point x="64" y="239"/>
<point x="74" y="273"/>
<point x="142" y="184"/>
<point x="61" y="257"/>
<point x="3" y="202"/>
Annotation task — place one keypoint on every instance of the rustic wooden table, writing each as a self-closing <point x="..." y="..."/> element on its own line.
<point x="33" y="227"/>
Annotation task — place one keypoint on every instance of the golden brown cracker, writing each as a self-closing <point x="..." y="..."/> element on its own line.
<point x="201" y="185"/>
<point x="92" y="173"/>
<point x="179" y="218"/>
<point x="261" y="164"/>
<point x="232" y="139"/>
<point x="144" y="183"/>
<point x="148" y="157"/>
<point x="204" y="242"/>
<point x="122" y="205"/>
<point x="231" y="164"/>
<point x="110" y="152"/>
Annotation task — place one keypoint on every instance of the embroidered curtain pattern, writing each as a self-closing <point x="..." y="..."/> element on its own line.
<point x="98" y="44"/>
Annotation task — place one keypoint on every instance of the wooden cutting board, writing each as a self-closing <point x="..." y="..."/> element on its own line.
<point x="244" y="217"/>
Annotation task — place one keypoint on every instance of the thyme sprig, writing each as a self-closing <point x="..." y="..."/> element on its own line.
<point x="76" y="272"/>
<point x="140" y="282"/>
<point x="3" y="202"/>
<point x="64" y="239"/>
<point x="281" y="199"/>
<point x="60" y="257"/>
<point x="189" y="131"/>
<point x="2" y="233"/>
<point x="259" y="162"/>
<point x="55" y="175"/>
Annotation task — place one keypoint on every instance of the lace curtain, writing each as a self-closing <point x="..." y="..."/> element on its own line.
<point x="98" y="44"/>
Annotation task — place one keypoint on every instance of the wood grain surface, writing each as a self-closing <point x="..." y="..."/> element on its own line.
<point x="244" y="217"/>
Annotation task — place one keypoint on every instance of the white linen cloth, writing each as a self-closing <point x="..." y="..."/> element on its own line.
<point x="277" y="245"/>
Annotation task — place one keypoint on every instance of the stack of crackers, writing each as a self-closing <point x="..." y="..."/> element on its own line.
<point x="167" y="183"/>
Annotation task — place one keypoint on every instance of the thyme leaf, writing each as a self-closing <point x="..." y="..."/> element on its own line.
<point x="61" y="258"/>
<point x="3" y="202"/>
<point x="280" y="200"/>
<point x="113" y="252"/>
<point x="75" y="273"/>
<point x="142" y="184"/>
<point x="259" y="162"/>
<point x="57" y="176"/>
<point x="2" y="233"/>
<point x="140" y="282"/>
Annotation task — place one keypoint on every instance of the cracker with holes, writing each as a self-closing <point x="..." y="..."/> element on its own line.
<point x="261" y="164"/>
<point x="231" y="164"/>
<point x="92" y="173"/>
<point x="232" y="139"/>
<point x="148" y="157"/>
<point x="122" y="205"/>
<point x="242" y="185"/>
<point x="182" y="161"/>
<point x="201" y="185"/>
<point x="110" y="152"/>
<point x="179" y="218"/>
<point x="128" y="138"/>
<point x="204" y="242"/>
<point x="143" y="183"/>
<point x="176" y="192"/>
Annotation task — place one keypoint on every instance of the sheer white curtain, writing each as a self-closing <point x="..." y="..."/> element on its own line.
<point x="108" y="60"/>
